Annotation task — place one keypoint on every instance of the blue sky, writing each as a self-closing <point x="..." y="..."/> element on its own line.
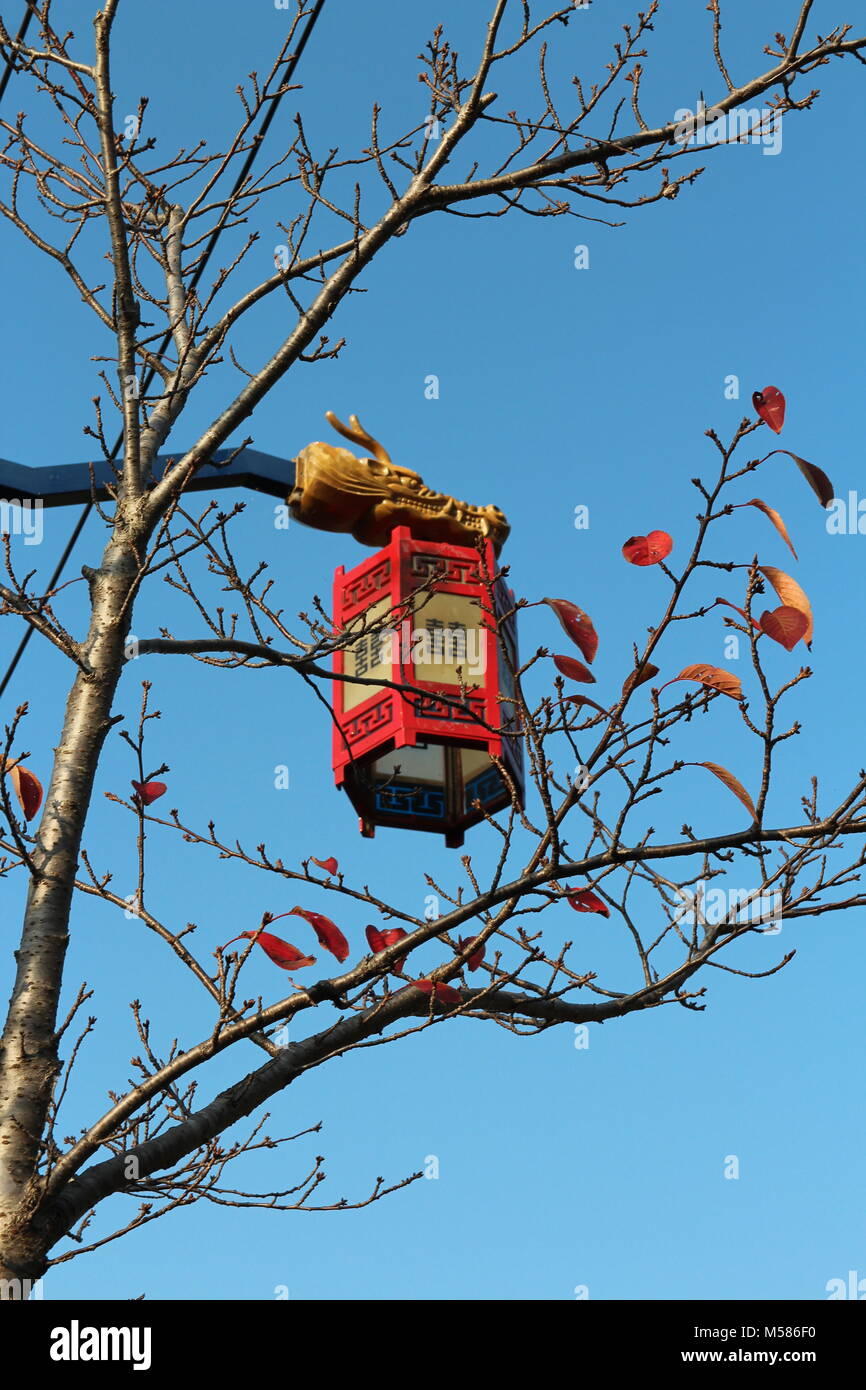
<point x="558" y="1167"/>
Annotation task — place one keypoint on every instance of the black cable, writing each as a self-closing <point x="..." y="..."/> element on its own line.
<point x="200" y="269"/>
<point x="10" y="61"/>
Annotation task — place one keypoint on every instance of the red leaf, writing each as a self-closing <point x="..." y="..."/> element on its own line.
<point x="444" y="993"/>
<point x="282" y="953"/>
<point x="146" y="792"/>
<point x="575" y="670"/>
<point x="649" y="549"/>
<point x="742" y="612"/>
<point x="26" y="786"/>
<point x="329" y="935"/>
<point x="577" y="624"/>
<point x="380" y="940"/>
<point x="476" y="957"/>
<point x="329" y="865"/>
<point x="770" y="405"/>
<point x="584" y="900"/>
<point x="785" y="625"/>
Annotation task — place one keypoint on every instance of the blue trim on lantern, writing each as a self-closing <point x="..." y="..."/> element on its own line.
<point x="486" y="787"/>
<point x="412" y="800"/>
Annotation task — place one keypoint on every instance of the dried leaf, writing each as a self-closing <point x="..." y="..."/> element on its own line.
<point x="776" y="520"/>
<point x="577" y="624"/>
<point x="649" y="549"/>
<point x="792" y="596"/>
<point x="815" y="477"/>
<point x="714" y="677"/>
<point x="584" y="900"/>
<point x="785" y="625"/>
<point x="643" y="673"/>
<point x="770" y="405"/>
<point x="575" y="670"/>
<point x="732" y="784"/>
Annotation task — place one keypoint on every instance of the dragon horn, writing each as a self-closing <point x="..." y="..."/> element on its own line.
<point x="358" y="435"/>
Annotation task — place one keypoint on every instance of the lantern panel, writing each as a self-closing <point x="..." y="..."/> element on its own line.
<point x="446" y="635"/>
<point x="370" y="655"/>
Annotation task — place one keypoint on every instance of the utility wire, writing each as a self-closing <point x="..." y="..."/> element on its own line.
<point x="10" y="61"/>
<point x="256" y="145"/>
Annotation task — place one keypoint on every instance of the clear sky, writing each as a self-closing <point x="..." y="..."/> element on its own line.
<point x="558" y="1167"/>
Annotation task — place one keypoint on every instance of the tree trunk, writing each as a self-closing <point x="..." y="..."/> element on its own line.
<point x="29" y="1061"/>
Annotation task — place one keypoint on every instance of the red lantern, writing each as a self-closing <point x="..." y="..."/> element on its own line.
<point x="419" y="614"/>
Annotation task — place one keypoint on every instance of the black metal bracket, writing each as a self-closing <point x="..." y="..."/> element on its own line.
<point x="69" y="483"/>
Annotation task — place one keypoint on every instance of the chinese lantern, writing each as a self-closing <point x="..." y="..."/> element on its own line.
<point x="418" y="614"/>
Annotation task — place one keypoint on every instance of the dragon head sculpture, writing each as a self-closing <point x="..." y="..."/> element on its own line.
<point x="336" y="491"/>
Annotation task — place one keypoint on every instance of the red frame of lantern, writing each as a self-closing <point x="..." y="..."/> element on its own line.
<point x="389" y="719"/>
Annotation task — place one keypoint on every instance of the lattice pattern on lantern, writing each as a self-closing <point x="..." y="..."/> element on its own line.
<point x="418" y="615"/>
<point x="357" y="595"/>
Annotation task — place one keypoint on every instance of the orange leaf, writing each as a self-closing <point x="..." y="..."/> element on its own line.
<point x="785" y="625"/>
<point x="575" y="670"/>
<point x="792" y="596"/>
<point x="27" y="788"/>
<point x="643" y="673"/>
<point x="732" y="784"/>
<point x="776" y="520"/>
<point x="714" y="677"/>
<point x="577" y="624"/>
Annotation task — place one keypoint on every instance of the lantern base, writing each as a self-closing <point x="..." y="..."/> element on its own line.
<point x="399" y="790"/>
<point x="453" y="838"/>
